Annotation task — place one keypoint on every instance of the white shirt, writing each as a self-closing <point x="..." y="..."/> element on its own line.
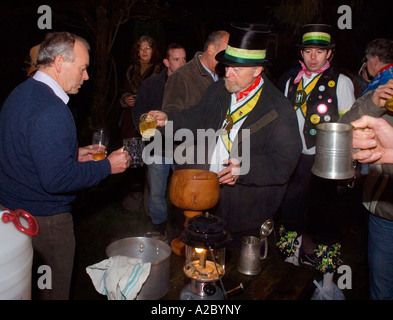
<point x="52" y="83"/>
<point x="214" y="76"/>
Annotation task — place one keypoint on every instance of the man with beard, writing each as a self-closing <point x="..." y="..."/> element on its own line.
<point x="257" y="142"/>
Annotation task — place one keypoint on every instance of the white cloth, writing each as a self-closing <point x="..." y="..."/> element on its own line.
<point x="327" y="289"/>
<point x="119" y="277"/>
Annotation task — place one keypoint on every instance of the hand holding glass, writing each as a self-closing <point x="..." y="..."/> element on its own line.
<point x="147" y="125"/>
<point x="100" y="141"/>
<point x="389" y="104"/>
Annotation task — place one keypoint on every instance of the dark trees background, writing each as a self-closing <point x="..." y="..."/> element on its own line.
<point x="112" y="26"/>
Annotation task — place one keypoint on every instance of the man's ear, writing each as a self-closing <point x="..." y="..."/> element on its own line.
<point x="165" y="62"/>
<point x="376" y="61"/>
<point x="58" y="63"/>
<point x="329" y="53"/>
<point x="211" y="49"/>
<point x="258" y="71"/>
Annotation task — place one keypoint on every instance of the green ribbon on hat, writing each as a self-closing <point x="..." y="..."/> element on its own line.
<point x="321" y="38"/>
<point x="244" y="55"/>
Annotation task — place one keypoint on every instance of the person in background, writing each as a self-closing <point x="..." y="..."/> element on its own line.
<point x="187" y="84"/>
<point x="319" y="94"/>
<point x="253" y="115"/>
<point x="150" y="97"/>
<point x="378" y="185"/>
<point x="145" y="61"/>
<point x="33" y="60"/>
<point x="379" y="62"/>
<point x="41" y="166"/>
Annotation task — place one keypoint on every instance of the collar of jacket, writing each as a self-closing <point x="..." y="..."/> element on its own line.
<point x="201" y="68"/>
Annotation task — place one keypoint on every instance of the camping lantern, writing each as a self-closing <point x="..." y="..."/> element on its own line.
<point x="205" y="238"/>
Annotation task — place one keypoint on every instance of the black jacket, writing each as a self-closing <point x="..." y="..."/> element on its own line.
<point x="275" y="148"/>
<point x="150" y="95"/>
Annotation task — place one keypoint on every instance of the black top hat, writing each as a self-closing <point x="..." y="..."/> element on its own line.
<point x="317" y="36"/>
<point x="246" y="47"/>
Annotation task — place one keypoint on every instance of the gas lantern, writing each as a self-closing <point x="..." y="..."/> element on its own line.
<point x="205" y="238"/>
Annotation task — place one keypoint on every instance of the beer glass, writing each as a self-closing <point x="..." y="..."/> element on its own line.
<point x="147" y="125"/>
<point x="134" y="147"/>
<point x="100" y="140"/>
<point x="389" y="104"/>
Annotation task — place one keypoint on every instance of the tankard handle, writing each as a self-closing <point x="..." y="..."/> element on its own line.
<point x="265" y="253"/>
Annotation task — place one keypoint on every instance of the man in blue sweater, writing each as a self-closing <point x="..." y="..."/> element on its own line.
<point x="41" y="165"/>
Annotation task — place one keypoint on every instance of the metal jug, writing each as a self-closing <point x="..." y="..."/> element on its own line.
<point x="333" y="151"/>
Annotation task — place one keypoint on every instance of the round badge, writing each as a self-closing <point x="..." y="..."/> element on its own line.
<point x="315" y="119"/>
<point x="330" y="100"/>
<point x="322" y="108"/>
<point x="313" y="132"/>
<point x="331" y="83"/>
<point x="321" y="87"/>
<point x="320" y="97"/>
<point x="327" y="118"/>
<point x="300" y="98"/>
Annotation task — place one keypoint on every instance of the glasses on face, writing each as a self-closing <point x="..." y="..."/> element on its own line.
<point x="148" y="48"/>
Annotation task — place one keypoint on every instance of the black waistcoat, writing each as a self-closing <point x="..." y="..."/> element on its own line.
<point x="321" y="104"/>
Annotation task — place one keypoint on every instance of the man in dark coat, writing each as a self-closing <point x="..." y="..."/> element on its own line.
<point x="257" y="143"/>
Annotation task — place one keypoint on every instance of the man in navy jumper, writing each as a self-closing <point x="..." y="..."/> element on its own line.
<point x="41" y="165"/>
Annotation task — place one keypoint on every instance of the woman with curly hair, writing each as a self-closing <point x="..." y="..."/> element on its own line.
<point x="145" y="61"/>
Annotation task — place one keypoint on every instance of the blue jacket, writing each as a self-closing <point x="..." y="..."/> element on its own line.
<point x="380" y="79"/>
<point x="39" y="168"/>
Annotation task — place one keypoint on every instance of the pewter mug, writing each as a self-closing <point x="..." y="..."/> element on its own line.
<point x="333" y="151"/>
<point x="250" y="255"/>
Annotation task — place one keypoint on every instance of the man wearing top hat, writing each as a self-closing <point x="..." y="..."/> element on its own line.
<point x="254" y="124"/>
<point x="319" y="94"/>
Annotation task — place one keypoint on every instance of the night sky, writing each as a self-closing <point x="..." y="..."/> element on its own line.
<point x="187" y="22"/>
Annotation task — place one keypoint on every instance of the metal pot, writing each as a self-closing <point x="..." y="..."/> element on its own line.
<point x="150" y="250"/>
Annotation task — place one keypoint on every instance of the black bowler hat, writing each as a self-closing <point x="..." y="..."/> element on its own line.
<point x="317" y="36"/>
<point x="246" y="46"/>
